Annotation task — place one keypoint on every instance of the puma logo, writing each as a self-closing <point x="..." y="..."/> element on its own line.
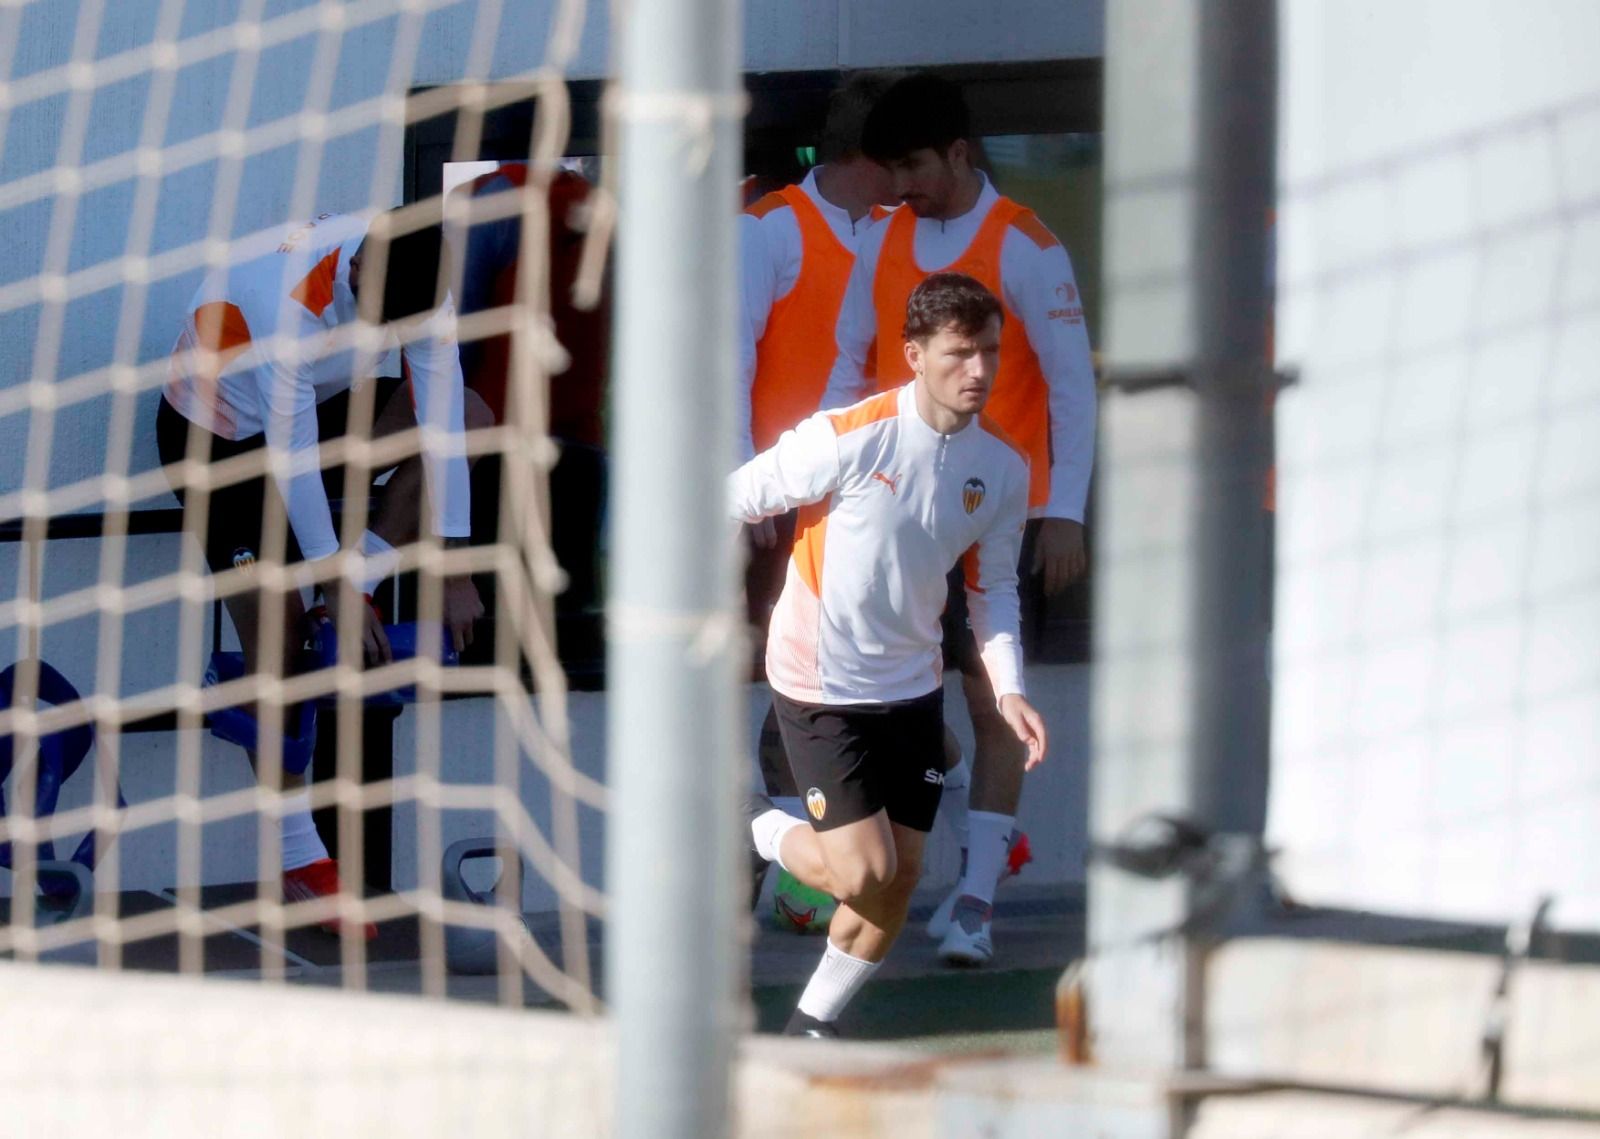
<point x="892" y="483"/>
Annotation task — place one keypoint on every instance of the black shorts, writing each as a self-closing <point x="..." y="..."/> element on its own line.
<point x="236" y="512"/>
<point x="851" y="761"/>
<point x="960" y="646"/>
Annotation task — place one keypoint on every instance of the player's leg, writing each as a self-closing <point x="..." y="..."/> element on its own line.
<point x="231" y="533"/>
<point x="996" y="790"/>
<point x="397" y="516"/>
<point x="994" y="848"/>
<point x="886" y="759"/>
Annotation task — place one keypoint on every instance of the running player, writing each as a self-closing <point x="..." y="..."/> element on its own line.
<point x="892" y="494"/>
<point x="796" y="247"/>
<point x="1043" y="398"/>
<point x="265" y="360"/>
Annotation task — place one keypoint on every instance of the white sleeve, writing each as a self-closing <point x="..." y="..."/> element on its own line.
<point x="439" y="394"/>
<point x="800" y="468"/>
<point x="289" y="403"/>
<point x="758" y="291"/>
<point x="857" y="327"/>
<point x="990" y="572"/>
<point x="1040" y="287"/>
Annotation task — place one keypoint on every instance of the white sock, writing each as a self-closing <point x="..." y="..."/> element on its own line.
<point x="790" y="805"/>
<point x="302" y="845"/>
<point x="953" y="802"/>
<point x="838" y="977"/>
<point x="986" y="853"/>
<point x="768" y="831"/>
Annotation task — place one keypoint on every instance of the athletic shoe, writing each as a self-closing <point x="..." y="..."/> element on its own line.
<point x="320" y="879"/>
<point x="754" y="807"/>
<point x="1019" y="852"/>
<point x="968" y="941"/>
<point x="809" y="1026"/>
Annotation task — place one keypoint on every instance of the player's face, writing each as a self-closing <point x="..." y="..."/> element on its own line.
<point x="958" y="368"/>
<point x="926" y="180"/>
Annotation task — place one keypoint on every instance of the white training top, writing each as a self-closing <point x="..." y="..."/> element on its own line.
<point x="770" y="255"/>
<point x="1030" y="278"/>
<point x="293" y="293"/>
<point x="888" y="506"/>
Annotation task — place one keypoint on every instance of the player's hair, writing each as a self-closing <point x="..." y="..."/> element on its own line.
<point x="410" y="270"/>
<point x="918" y="111"/>
<point x="949" y="300"/>
<point x="848" y="107"/>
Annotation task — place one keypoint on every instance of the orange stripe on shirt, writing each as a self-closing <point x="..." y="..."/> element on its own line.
<point x="765" y="204"/>
<point x="1028" y="223"/>
<point x="315" y="289"/>
<point x="885" y="405"/>
<point x="969" y="570"/>
<point x="810" y="531"/>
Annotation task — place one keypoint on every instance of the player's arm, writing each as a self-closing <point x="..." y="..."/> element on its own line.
<point x="1042" y="290"/>
<point x="290" y="402"/>
<point x="989" y="570"/>
<point x="857" y="327"/>
<point x="439" y="394"/>
<point x="802" y="467"/>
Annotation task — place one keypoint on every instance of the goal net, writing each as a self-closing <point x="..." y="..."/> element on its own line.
<point x="203" y="206"/>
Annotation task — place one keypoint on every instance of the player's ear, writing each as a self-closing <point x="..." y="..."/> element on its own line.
<point x="914" y="356"/>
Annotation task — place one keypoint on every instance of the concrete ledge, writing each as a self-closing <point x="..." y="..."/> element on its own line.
<point x="1405" y="1021"/>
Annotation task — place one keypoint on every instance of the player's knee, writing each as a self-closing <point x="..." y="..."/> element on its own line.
<point x="867" y="876"/>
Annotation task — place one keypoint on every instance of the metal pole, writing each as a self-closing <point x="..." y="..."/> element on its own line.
<point x="1182" y="560"/>
<point x="1235" y="191"/>
<point x="672" y="963"/>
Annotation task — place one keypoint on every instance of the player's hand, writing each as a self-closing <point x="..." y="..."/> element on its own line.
<point x="1028" y="726"/>
<point x="462" y="606"/>
<point x="374" y="641"/>
<point x="763" y="534"/>
<point x="1058" y="553"/>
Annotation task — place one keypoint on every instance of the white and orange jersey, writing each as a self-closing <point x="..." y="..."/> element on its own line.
<point x="1044" y="396"/>
<point x="262" y="346"/>
<point x="888" y="506"/>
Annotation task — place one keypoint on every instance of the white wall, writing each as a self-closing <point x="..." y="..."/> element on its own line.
<point x="1438" y="669"/>
<point x="340" y="73"/>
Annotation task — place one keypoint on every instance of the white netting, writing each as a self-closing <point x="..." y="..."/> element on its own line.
<point x="1437" y="676"/>
<point x="143" y="144"/>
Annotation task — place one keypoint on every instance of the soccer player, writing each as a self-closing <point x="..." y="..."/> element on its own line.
<point x="892" y="493"/>
<point x="796" y="247"/>
<point x="265" y="360"/>
<point x="1043" y="398"/>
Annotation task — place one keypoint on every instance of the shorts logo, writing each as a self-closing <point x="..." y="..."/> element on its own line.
<point x="816" y="803"/>
<point x="243" y="558"/>
<point x="934" y="777"/>
<point x="972" y="494"/>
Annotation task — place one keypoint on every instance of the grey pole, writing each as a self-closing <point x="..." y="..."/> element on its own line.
<point x="1235" y="194"/>
<point x="675" y="644"/>
<point x="1182" y="575"/>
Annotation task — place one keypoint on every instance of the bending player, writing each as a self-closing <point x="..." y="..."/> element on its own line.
<point x="796" y="247"/>
<point x="266" y="360"/>
<point x="904" y="486"/>
<point x="1044" y="399"/>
